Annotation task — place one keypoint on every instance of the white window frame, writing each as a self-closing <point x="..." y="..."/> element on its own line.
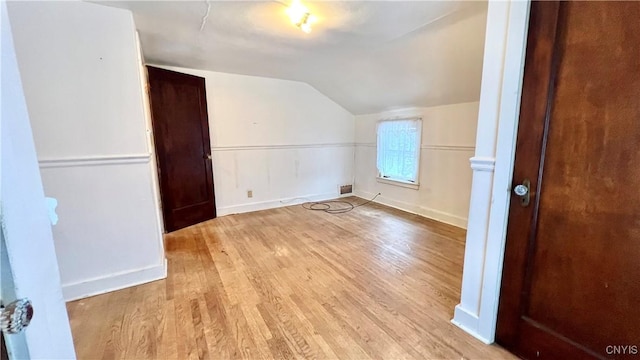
<point x="395" y="181"/>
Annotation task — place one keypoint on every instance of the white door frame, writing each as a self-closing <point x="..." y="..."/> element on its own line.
<point x="503" y="69"/>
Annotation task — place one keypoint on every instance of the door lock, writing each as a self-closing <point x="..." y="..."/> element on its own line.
<point x="16" y="316"/>
<point x="523" y="191"/>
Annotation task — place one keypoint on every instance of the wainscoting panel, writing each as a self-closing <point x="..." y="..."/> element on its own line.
<point x="107" y="223"/>
<point x="278" y="174"/>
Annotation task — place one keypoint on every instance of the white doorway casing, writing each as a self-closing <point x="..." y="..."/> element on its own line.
<point x="503" y="68"/>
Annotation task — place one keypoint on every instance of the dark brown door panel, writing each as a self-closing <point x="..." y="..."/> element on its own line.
<point x="183" y="150"/>
<point x="571" y="277"/>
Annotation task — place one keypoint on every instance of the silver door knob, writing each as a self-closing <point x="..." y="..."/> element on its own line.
<point x="524" y="192"/>
<point x="16" y="316"/>
<point x="520" y="190"/>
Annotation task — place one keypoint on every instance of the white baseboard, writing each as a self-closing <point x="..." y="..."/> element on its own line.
<point x="101" y="285"/>
<point x="430" y="213"/>
<point x="444" y="217"/>
<point x="468" y="322"/>
<point x="272" y="204"/>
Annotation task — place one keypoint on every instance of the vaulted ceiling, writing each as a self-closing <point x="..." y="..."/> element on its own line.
<point x="368" y="56"/>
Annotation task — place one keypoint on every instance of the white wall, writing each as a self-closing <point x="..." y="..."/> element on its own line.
<point x="448" y="138"/>
<point x="80" y="71"/>
<point x="281" y="139"/>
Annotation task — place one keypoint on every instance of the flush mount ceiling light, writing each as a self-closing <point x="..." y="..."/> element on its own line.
<point x="300" y="16"/>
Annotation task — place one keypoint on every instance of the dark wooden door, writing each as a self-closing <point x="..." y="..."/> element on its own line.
<point x="181" y="137"/>
<point x="4" y="355"/>
<point x="571" y="278"/>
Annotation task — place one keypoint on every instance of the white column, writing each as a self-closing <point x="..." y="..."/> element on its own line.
<point x="492" y="167"/>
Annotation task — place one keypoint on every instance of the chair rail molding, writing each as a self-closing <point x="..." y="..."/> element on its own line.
<point x="94" y="160"/>
<point x="281" y="147"/>
<point x="503" y="68"/>
<point x="427" y="146"/>
<point x="483" y="163"/>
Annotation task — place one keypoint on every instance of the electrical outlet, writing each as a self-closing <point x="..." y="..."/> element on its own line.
<point x="249" y="193"/>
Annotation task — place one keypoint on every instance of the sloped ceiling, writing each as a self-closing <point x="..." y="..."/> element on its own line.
<point x="368" y="56"/>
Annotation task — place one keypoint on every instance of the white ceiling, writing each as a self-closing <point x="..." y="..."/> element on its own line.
<point x="368" y="56"/>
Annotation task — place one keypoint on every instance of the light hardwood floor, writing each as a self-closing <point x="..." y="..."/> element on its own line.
<point x="292" y="283"/>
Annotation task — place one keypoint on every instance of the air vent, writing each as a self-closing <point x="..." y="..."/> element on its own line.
<point x="346" y="189"/>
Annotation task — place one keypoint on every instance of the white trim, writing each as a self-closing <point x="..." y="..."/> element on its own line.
<point x="449" y="147"/>
<point x="401" y="183"/>
<point x="429" y="147"/>
<point x="276" y="203"/>
<point x="443" y="217"/>
<point x="505" y="156"/>
<point x="95" y="160"/>
<point x="401" y="117"/>
<point x="482" y="163"/>
<point x="366" y="144"/>
<point x="468" y="322"/>
<point x="507" y="25"/>
<point x="153" y="164"/>
<point x="112" y="282"/>
<point x="280" y="147"/>
<point x="423" y="211"/>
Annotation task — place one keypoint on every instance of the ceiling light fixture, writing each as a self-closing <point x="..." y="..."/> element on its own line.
<point x="300" y="16"/>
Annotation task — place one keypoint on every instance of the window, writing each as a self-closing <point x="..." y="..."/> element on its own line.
<point x="399" y="150"/>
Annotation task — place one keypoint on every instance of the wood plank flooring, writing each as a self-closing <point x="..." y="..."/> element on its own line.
<point x="292" y="283"/>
